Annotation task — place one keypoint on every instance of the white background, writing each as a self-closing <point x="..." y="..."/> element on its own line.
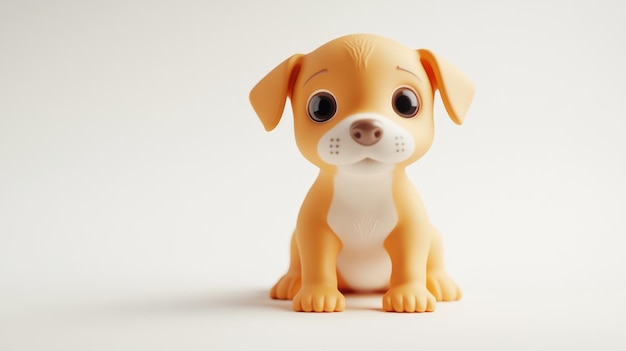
<point x="143" y="206"/>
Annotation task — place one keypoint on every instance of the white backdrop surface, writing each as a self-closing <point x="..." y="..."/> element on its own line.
<point x="143" y="206"/>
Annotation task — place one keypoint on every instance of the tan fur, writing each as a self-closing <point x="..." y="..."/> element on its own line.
<point x="362" y="72"/>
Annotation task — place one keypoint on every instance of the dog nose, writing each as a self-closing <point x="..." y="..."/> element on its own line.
<point x="366" y="131"/>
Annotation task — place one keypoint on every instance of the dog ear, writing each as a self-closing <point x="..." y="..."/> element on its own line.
<point x="455" y="88"/>
<point x="268" y="96"/>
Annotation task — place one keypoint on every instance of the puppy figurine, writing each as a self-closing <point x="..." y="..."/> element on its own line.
<point x="363" y="112"/>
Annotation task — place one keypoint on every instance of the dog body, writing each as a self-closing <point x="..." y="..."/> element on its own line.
<point x="362" y="109"/>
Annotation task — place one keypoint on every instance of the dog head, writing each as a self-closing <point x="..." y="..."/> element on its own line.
<point x="362" y="102"/>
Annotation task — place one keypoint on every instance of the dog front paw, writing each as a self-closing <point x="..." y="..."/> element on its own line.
<point x="287" y="287"/>
<point x="409" y="298"/>
<point x="442" y="286"/>
<point x="319" y="299"/>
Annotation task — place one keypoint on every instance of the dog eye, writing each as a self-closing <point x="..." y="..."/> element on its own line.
<point x="322" y="106"/>
<point x="405" y="102"/>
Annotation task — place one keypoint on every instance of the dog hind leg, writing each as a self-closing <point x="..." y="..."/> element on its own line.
<point x="289" y="284"/>
<point x="438" y="281"/>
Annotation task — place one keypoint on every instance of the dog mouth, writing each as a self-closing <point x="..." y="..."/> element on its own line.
<point x="367" y="165"/>
<point x="369" y="161"/>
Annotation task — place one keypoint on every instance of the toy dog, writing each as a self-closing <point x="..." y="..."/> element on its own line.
<point x="363" y="111"/>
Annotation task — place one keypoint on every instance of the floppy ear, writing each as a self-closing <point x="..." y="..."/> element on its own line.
<point x="455" y="88"/>
<point x="268" y="97"/>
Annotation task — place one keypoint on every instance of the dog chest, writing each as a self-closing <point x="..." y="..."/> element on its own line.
<point x="362" y="214"/>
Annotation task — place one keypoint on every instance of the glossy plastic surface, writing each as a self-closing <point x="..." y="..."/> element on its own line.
<point x="362" y="225"/>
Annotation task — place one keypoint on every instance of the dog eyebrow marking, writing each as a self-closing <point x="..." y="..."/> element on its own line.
<point x="315" y="74"/>
<point x="406" y="70"/>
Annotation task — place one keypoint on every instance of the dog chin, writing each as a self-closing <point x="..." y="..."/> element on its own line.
<point x="366" y="166"/>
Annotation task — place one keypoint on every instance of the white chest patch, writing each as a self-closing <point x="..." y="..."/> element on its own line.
<point x="362" y="214"/>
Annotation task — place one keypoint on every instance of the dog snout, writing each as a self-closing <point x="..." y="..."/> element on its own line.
<point x="366" y="131"/>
